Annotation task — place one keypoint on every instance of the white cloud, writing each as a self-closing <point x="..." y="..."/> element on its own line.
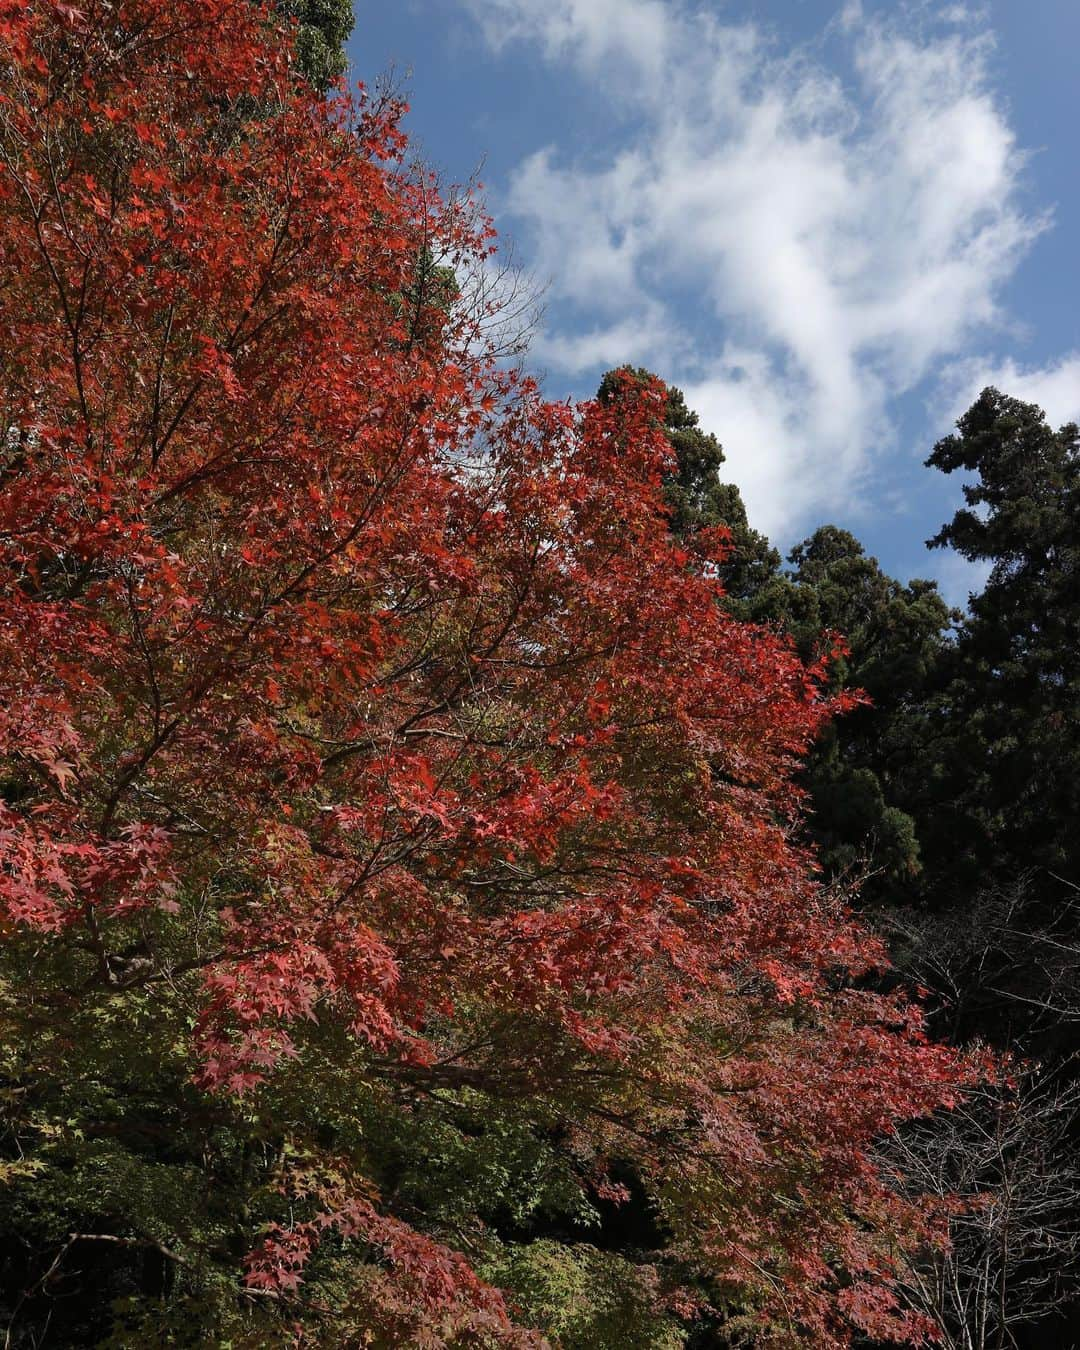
<point x="1055" y="387"/>
<point x="787" y="445"/>
<point x="840" y="237"/>
<point x="634" y="32"/>
<point x="635" y="341"/>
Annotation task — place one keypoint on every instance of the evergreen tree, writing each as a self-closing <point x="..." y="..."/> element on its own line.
<point x="859" y="773"/>
<point x="698" y="499"/>
<point x="323" y="27"/>
<point x="1003" y="773"/>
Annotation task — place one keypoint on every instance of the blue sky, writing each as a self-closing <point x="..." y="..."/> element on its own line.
<point x="829" y="222"/>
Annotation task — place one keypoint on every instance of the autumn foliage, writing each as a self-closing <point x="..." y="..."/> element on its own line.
<point x="370" y="749"/>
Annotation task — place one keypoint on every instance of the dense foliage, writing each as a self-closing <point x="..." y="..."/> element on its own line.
<point x="887" y="640"/>
<point x="405" y="934"/>
<point x="322" y="27"/>
<point x="949" y="795"/>
<point x="865" y="769"/>
<point x="1011" y="758"/>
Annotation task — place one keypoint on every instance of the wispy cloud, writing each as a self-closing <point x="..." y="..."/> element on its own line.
<point x="842" y="236"/>
<point x="635" y="33"/>
<point x="1054" y="387"/>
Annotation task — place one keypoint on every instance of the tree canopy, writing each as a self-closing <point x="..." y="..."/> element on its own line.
<point x="399" y="861"/>
<point x="884" y="640"/>
<point x="1009" y="762"/>
<point x="863" y="772"/>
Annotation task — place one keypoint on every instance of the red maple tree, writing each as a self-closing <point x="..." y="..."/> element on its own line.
<point x="347" y="684"/>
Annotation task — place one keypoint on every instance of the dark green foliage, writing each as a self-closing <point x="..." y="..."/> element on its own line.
<point x="429" y="301"/>
<point x="1004" y="767"/>
<point x="860" y="772"/>
<point x="130" y="1197"/>
<point x="167" y="1188"/>
<point x="587" y="1298"/>
<point x="323" y="27"/>
<point x="162" y="1186"/>
<point x="699" y="499"/>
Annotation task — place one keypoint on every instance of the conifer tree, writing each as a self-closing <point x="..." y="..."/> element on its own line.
<point x="1005" y="772"/>
<point x="699" y="499"/>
